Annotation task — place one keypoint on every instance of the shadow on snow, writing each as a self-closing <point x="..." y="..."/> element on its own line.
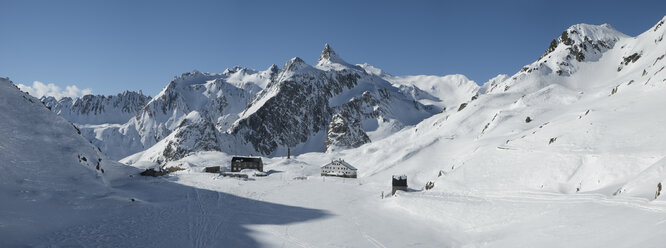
<point x="164" y="214"/>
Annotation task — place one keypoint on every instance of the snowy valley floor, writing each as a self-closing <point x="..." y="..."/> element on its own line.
<point x="356" y="216"/>
<point x="194" y="209"/>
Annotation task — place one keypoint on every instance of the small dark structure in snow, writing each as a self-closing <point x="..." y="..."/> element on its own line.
<point x="232" y="174"/>
<point x="212" y="169"/>
<point x="339" y="168"/>
<point x="399" y="182"/>
<point x="153" y="173"/>
<point x="240" y="163"/>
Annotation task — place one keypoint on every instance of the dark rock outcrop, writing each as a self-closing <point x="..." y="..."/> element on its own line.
<point x="345" y="134"/>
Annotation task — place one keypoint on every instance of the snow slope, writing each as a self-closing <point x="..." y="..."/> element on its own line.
<point x="591" y="130"/>
<point x="43" y="159"/>
<point x="448" y="91"/>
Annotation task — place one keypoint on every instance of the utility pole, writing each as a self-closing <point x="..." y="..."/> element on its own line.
<point x="288" y="153"/>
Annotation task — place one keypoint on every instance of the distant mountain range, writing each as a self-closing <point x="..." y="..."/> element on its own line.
<point x="585" y="116"/>
<point x="303" y="108"/>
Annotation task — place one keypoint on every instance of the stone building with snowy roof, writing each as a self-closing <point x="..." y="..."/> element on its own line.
<point x="339" y="168"/>
<point x="239" y="163"/>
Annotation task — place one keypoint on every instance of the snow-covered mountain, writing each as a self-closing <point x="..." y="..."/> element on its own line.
<point x="98" y="109"/>
<point x="217" y="97"/>
<point x="585" y="117"/>
<point x="296" y="110"/>
<point x="100" y="118"/>
<point x="302" y="108"/>
<point x="578" y="45"/>
<point x="441" y="91"/>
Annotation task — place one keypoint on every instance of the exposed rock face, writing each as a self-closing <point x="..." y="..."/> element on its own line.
<point x="581" y="42"/>
<point x="302" y="102"/>
<point x="367" y="105"/>
<point x="462" y="106"/>
<point x="329" y="56"/>
<point x="341" y="133"/>
<point x="98" y="109"/>
<point x="583" y="39"/>
<point x="193" y="134"/>
<point x="629" y="59"/>
<point x="293" y="109"/>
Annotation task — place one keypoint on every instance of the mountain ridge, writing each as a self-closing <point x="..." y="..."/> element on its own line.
<point x="297" y="107"/>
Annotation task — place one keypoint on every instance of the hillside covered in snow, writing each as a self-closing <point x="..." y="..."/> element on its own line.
<point x="59" y="190"/>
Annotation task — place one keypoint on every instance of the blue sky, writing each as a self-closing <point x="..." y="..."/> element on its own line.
<point x="110" y="46"/>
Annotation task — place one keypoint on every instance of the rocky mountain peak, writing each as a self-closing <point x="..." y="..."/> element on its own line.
<point x="273" y="68"/>
<point x="580" y="36"/>
<point x="328" y="56"/>
<point x="327" y="53"/>
<point x="295" y="64"/>
<point x="578" y="43"/>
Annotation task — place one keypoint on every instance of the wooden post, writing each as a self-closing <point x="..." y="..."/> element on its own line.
<point x="288" y="153"/>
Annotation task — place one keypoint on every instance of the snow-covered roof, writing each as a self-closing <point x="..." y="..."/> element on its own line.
<point x="246" y="159"/>
<point x="342" y="162"/>
<point x="400" y="177"/>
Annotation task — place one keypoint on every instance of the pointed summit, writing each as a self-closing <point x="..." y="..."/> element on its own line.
<point x="294" y="64"/>
<point x="273" y="68"/>
<point x="328" y="53"/>
<point x="329" y="56"/>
